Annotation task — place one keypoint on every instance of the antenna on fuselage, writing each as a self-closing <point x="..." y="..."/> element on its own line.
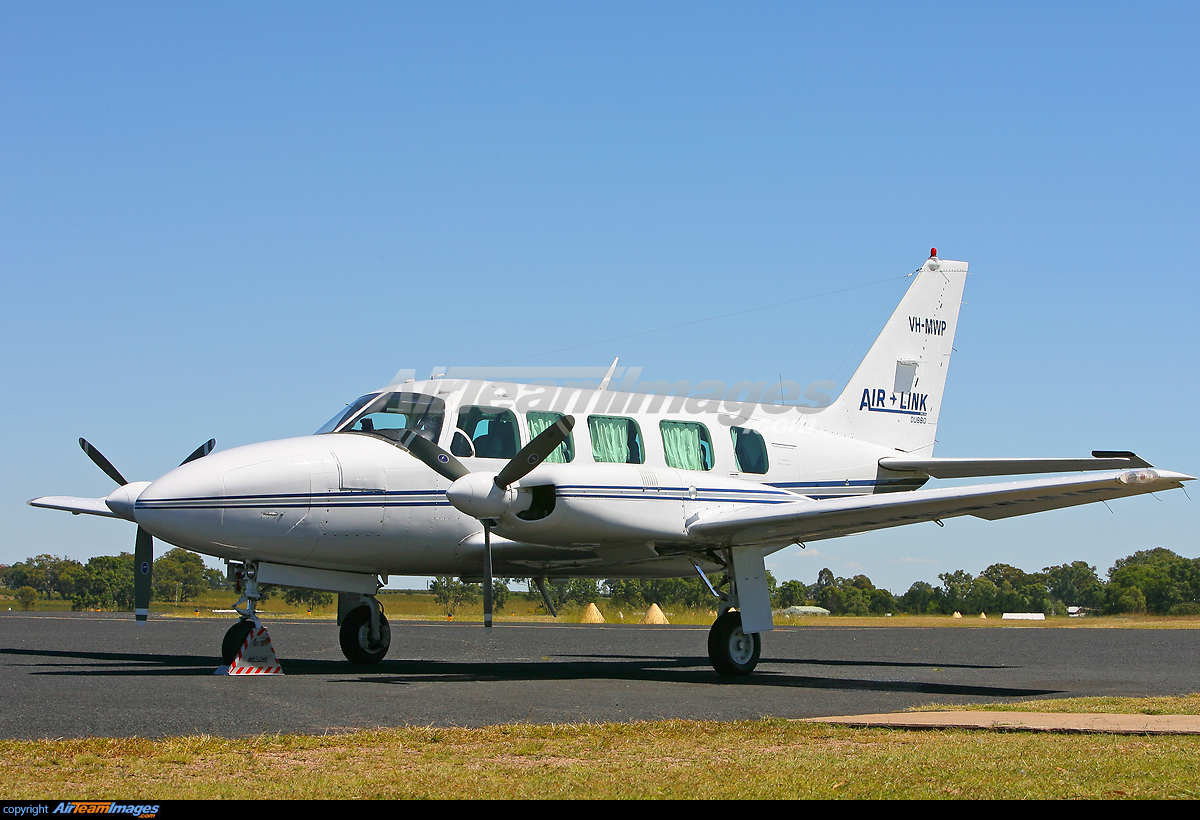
<point x="608" y="376"/>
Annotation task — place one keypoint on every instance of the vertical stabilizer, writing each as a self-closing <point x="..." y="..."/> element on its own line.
<point x="894" y="397"/>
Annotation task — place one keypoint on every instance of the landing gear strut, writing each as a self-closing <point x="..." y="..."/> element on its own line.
<point x="231" y="644"/>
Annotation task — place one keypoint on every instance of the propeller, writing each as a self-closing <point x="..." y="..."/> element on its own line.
<point x="487" y="496"/>
<point x="143" y="545"/>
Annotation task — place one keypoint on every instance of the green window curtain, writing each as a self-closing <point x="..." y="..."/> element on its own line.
<point x="681" y="441"/>
<point x="610" y="439"/>
<point x="540" y="422"/>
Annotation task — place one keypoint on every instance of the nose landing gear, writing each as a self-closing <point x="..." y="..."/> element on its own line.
<point x="235" y="636"/>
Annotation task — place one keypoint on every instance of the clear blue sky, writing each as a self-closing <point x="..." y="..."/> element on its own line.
<point x="229" y="219"/>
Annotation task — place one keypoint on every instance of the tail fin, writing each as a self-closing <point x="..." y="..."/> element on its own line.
<point x="894" y="397"/>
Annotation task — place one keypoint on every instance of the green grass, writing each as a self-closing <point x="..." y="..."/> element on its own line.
<point x="669" y="759"/>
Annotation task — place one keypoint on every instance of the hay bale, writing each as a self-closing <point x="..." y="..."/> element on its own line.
<point x="654" y="615"/>
<point x="591" y="615"/>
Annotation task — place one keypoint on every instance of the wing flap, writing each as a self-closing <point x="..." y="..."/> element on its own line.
<point x="811" y="520"/>
<point x="979" y="467"/>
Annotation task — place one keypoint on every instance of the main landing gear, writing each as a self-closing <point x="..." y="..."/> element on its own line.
<point x="363" y="641"/>
<point x="731" y="650"/>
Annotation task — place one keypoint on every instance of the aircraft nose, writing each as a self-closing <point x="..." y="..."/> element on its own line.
<point x="247" y="498"/>
<point x="183" y="507"/>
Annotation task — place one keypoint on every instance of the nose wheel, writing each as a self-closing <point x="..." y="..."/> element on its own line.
<point x="355" y="637"/>
<point x="234" y="638"/>
<point x="731" y="650"/>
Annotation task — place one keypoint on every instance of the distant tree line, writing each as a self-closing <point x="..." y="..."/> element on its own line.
<point x="106" y="581"/>
<point x="1156" y="581"/>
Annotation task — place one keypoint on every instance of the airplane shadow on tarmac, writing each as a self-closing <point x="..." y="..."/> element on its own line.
<point x="693" y="670"/>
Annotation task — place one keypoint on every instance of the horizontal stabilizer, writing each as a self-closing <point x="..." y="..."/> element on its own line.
<point x="977" y="467"/>
<point x="90" y="506"/>
<point x="811" y="520"/>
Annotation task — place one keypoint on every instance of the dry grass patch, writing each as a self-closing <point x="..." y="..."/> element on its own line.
<point x="1165" y="705"/>
<point x="669" y="759"/>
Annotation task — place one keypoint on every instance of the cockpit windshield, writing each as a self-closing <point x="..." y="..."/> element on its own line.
<point x="390" y="414"/>
<point x="350" y="411"/>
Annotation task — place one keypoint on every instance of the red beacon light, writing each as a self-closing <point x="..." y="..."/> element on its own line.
<point x="933" y="253"/>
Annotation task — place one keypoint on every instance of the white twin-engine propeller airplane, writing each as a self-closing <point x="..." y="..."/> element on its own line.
<point x="431" y="478"/>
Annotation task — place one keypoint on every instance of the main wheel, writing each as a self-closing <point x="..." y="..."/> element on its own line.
<point x="234" y="638"/>
<point x="731" y="650"/>
<point x="356" y="637"/>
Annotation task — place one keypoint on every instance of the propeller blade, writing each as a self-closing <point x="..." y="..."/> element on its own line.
<point x="200" y="452"/>
<point x="535" y="452"/>
<point x="143" y="566"/>
<point x="487" y="575"/>
<point x="437" y="459"/>
<point x="102" y="462"/>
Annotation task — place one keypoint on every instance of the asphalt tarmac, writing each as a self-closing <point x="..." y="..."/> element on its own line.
<point x="90" y="674"/>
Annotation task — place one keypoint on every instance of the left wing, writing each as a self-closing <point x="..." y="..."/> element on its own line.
<point x="91" y="506"/>
<point x="812" y="520"/>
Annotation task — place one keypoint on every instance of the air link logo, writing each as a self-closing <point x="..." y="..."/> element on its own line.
<point x="107" y="807"/>
<point x="928" y="326"/>
<point x="908" y="404"/>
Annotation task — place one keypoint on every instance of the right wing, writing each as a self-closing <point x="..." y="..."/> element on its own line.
<point x="811" y="519"/>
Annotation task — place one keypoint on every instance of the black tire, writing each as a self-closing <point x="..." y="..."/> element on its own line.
<point x="731" y="650"/>
<point x="355" y="637"/>
<point x="234" y="638"/>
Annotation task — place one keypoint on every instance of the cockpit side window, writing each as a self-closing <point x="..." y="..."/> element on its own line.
<point x="391" y="414"/>
<point x="492" y="431"/>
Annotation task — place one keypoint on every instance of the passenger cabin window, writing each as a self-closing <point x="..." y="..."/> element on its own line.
<point x="616" y="440"/>
<point x="390" y="414"/>
<point x="539" y="423"/>
<point x="492" y="431"/>
<point x="749" y="450"/>
<point x="687" y="445"/>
